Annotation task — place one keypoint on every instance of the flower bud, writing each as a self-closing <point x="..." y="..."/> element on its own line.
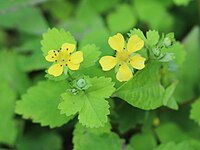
<point x="81" y="83"/>
<point x="167" y="42"/>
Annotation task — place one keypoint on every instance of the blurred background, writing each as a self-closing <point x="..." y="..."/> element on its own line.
<point x="22" y="23"/>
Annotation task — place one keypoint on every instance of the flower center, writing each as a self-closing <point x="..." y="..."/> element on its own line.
<point x="63" y="57"/>
<point x="122" y="55"/>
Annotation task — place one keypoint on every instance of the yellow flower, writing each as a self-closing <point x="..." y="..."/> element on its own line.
<point x="65" y="57"/>
<point x="125" y="59"/>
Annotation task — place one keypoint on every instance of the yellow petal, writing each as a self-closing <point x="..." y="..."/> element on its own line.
<point x="116" y="42"/>
<point x="134" y="43"/>
<point x="76" y="58"/>
<point x="73" y="66"/>
<point x="137" y="62"/>
<point x="56" y="69"/>
<point x="52" y="56"/>
<point x="68" y="47"/>
<point x="124" y="73"/>
<point x="108" y="62"/>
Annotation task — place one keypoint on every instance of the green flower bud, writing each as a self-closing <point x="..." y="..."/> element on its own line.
<point x="167" y="42"/>
<point x="167" y="57"/>
<point x="81" y="83"/>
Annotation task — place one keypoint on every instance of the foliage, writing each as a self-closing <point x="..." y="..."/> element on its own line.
<point x="124" y="75"/>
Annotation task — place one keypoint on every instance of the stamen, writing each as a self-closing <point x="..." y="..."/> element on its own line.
<point x="67" y="49"/>
<point x="54" y="51"/>
<point x="69" y="60"/>
<point x="52" y="57"/>
<point x="60" y="65"/>
<point x="70" y="53"/>
<point x="58" y="51"/>
<point x="56" y="60"/>
<point x="63" y="60"/>
<point x="66" y="64"/>
<point x="55" y="54"/>
<point x="60" y="48"/>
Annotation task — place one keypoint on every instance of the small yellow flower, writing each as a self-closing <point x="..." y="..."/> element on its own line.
<point x="65" y="57"/>
<point x="126" y="59"/>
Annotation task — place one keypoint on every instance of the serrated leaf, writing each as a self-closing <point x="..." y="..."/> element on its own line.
<point x="122" y="19"/>
<point x="54" y="38"/>
<point x="91" y="54"/>
<point x="71" y="103"/>
<point x="90" y="104"/>
<point x="153" y="37"/>
<point x="185" y="145"/>
<point x="195" y="111"/>
<point x="144" y="89"/>
<point x="139" y="33"/>
<point x="86" y="139"/>
<point x="40" y="104"/>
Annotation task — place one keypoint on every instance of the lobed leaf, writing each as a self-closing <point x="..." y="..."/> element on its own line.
<point x="90" y="104"/>
<point x="54" y="38"/>
<point x="40" y="104"/>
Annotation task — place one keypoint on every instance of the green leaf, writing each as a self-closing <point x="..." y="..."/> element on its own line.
<point x="182" y="2"/>
<point x="7" y="123"/>
<point x="169" y="132"/>
<point x="38" y="139"/>
<point x="144" y="89"/>
<point x="168" y="99"/>
<point x="86" y="139"/>
<point x="40" y="104"/>
<point x="99" y="36"/>
<point x="11" y="72"/>
<point x="185" y="145"/>
<point x="178" y="51"/>
<point x="153" y="37"/>
<point x="153" y="13"/>
<point x="31" y="58"/>
<point x="91" y="54"/>
<point x="14" y="14"/>
<point x="122" y="116"/>
<point x="195" y="111"/>
<point x="54" y="38"/>
<point x="102" y="6"/>
<point x="59" y="9"/>
<point x="188" y="76"/>
<point x="141" y="140"/>
<point x="90" y="104"/>
<point x="122" y="19"/>
<point x="139" y="33"/>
